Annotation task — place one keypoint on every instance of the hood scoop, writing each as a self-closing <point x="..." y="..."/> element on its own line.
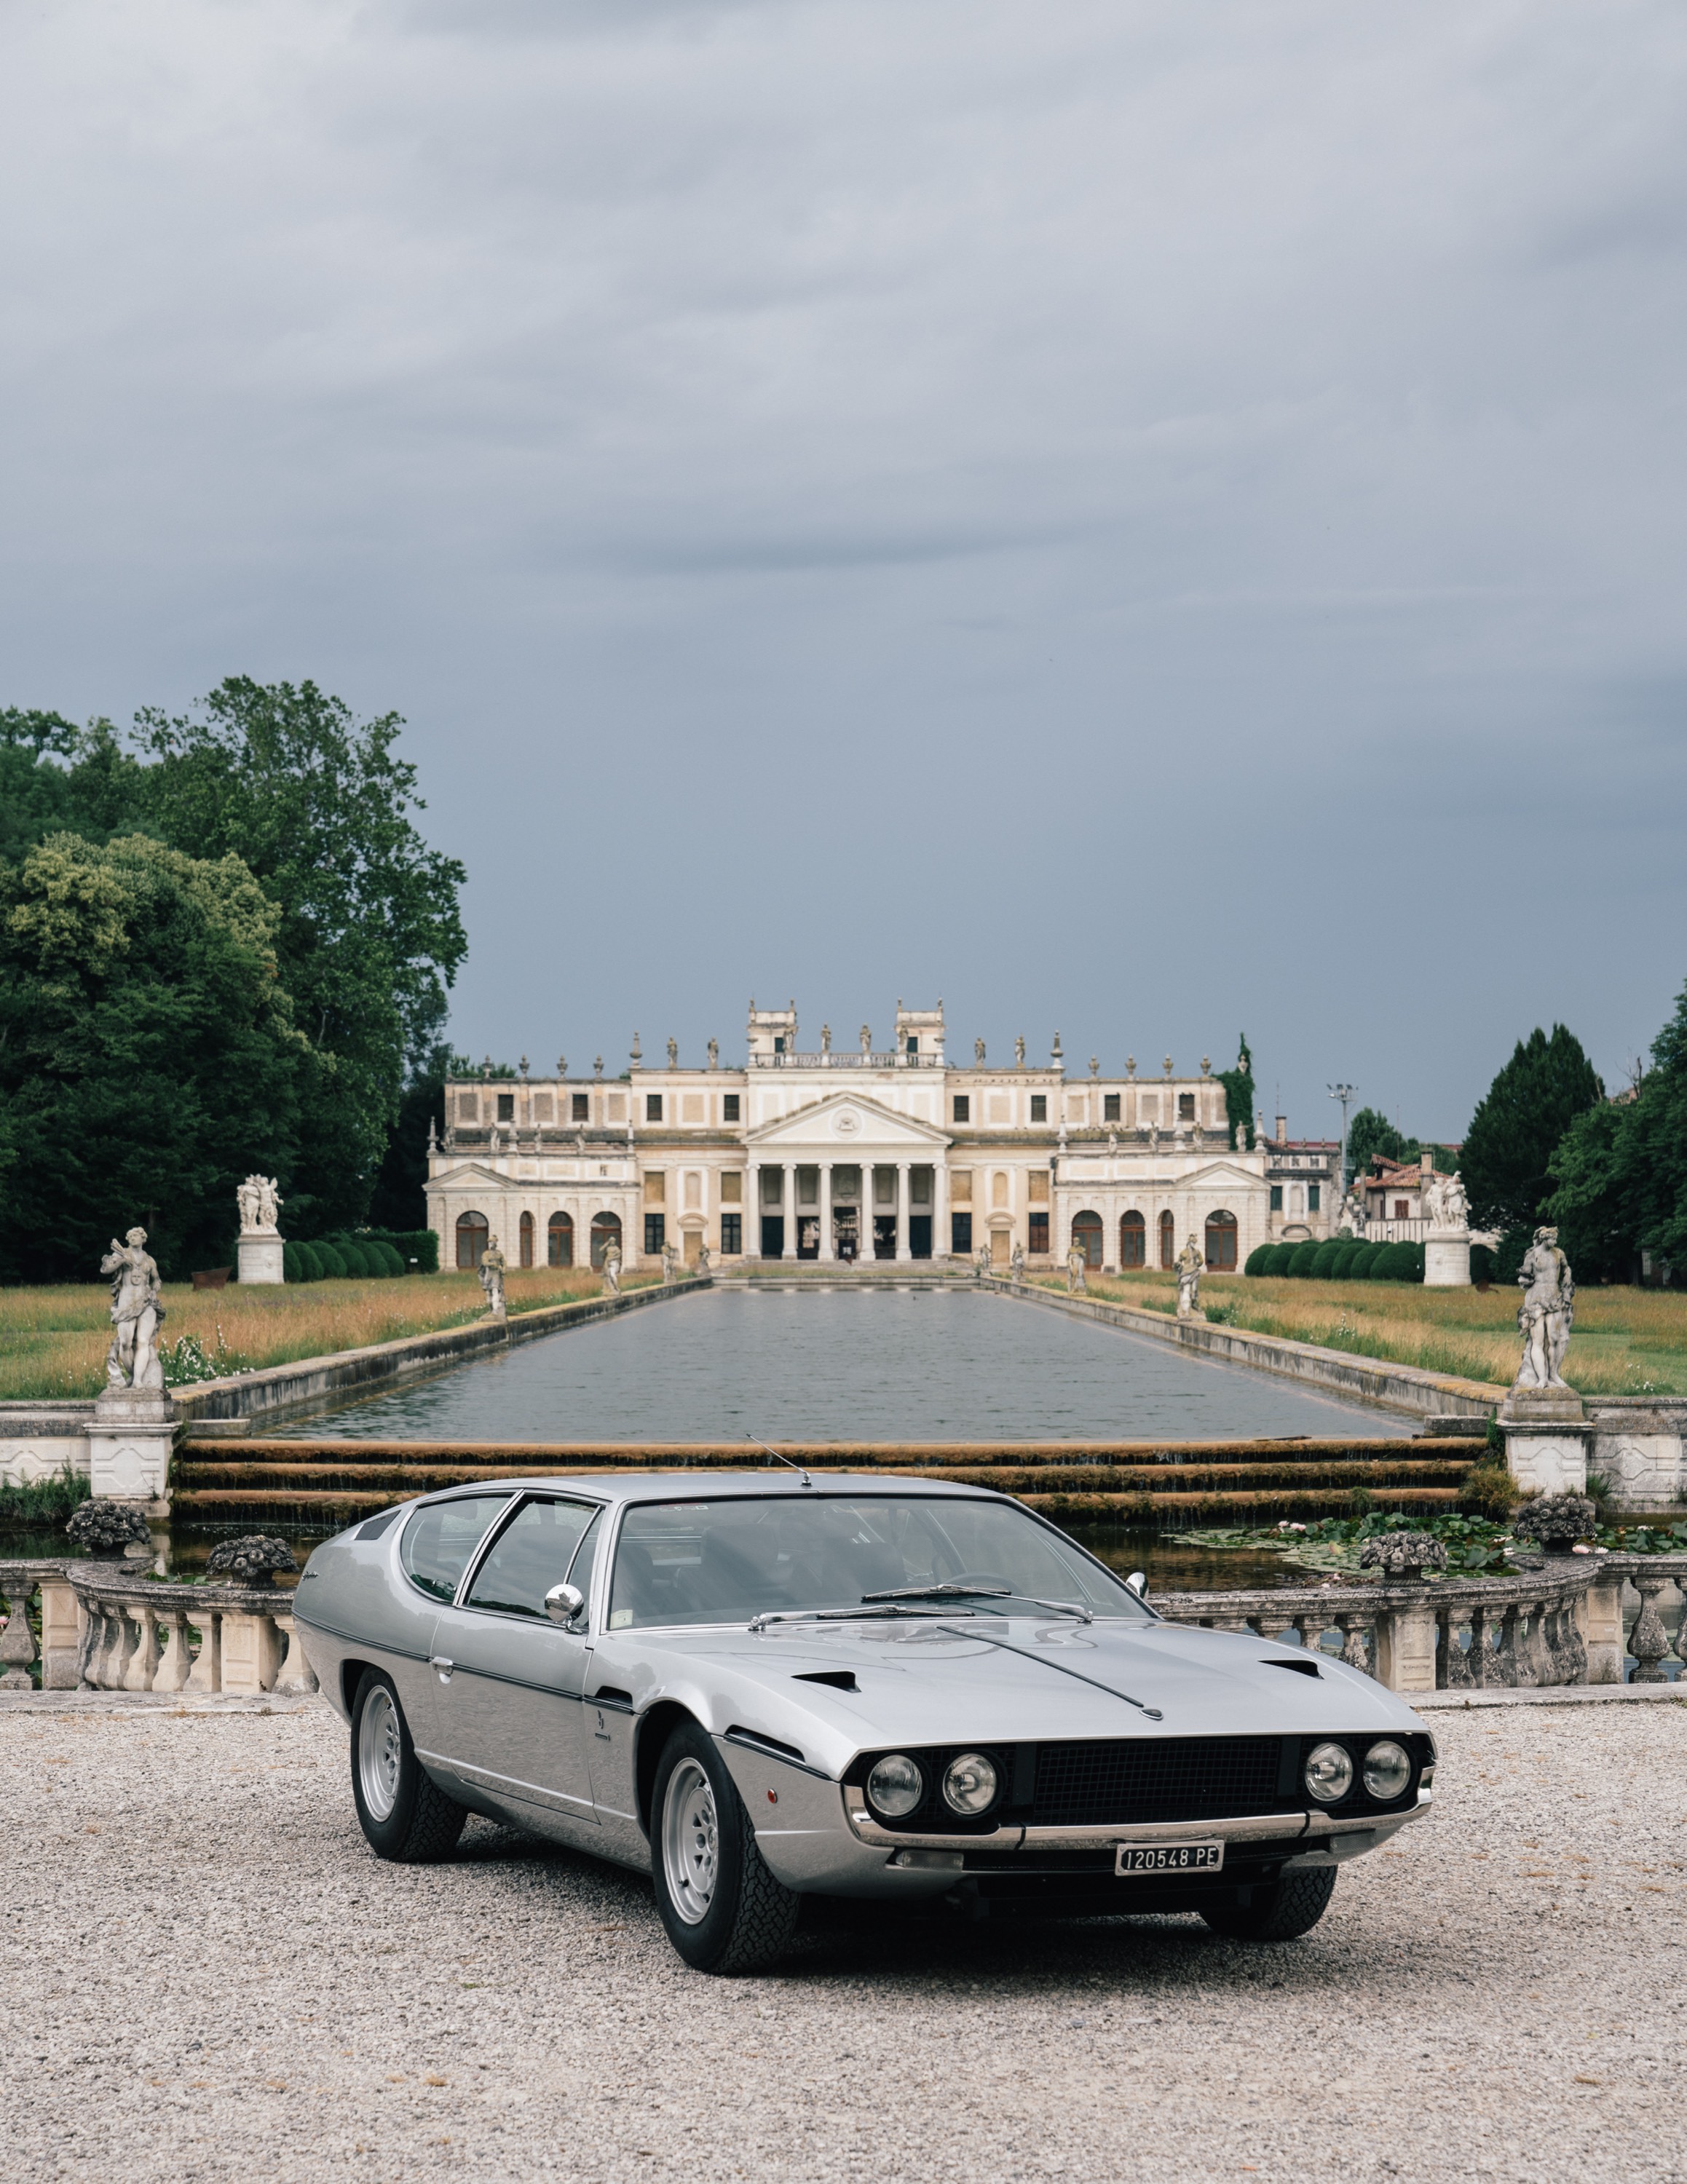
<point x="1301" y="1668"/>
<point x="841" y="1680"/>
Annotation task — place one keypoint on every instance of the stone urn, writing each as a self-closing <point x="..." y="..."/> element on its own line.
<point x="253" y="1559"/>
<point x="1403" y="1556"/>
<point x="111" y="1531"/>
<point x="1556" y="1522"/>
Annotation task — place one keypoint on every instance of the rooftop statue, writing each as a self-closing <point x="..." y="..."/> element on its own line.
<point x="1544" y="1316"/>
<point x="137" y="1311"/>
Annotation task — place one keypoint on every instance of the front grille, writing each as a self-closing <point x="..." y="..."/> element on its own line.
<point x="1095" y="1784"/>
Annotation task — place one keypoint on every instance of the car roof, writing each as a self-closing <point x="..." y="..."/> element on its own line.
<point x="620" y="1486"/>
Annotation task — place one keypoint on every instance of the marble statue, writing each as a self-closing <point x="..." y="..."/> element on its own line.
<point x="1017" y="1260"/>
<point x="1077" y="1262"/>
<point x="137" y="1311"/>
<point x="1545" y="1314"/>
<point x="612" y="1268"/>
<point x="866" y="1039"/>
<point x="1350" y="1221"/>
<point x="673" y="1054"/>
<point x="702" y="1259"/>
<point x="978" y="1053"/>
<point x="1154" y="1137"/>
<point x="1241" y="1137"/>
<point x="259" y="1204"/>
<point x="1190" y="1267"/>
<point x="1019" y="1051"/>
<point x="671" y="1262"/>
<point x="491" y="1280"/>
<point x="562" y="1065"/>
<point x="714" y="1053"/>
<point x="980" y="1261"/>
<point x="826" y="1039"/>
<point x="1445" y="1202"/>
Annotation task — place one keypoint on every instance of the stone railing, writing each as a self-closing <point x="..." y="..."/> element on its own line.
<point x="1650" y="1577"/>
<point x="103" y="1628"/>
<point x="1559" y="1624"/>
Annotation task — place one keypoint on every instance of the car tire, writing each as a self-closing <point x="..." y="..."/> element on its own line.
<point x="1282" y="1912"/>
<point x="723" y="1910"/>
<point x="404" y="1815"/>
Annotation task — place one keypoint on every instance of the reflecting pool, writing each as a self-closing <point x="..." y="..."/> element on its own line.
<point x="823" y="1364"/>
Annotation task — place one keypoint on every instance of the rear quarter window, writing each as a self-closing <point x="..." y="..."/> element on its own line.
<point x="440" y="1540"/>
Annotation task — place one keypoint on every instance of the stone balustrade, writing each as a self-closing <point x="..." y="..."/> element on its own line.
<point x="105" y="1628"/>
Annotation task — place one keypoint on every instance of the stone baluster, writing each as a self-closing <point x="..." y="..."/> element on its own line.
<point x="295" y="1679"/>
<point x="1274" y="1627"/>
<point x="207" y="1675"/>
<point x="1453" y="1669"/>
<point x="16" y="1644"/>
<point x="1353" y="1628"/>
<point x="1503" y="1669"/>
<point x="115" y="1667"/>
<point x="176" y="1665"/>
<point x="1681" y="1627"/>
<point x="1602" y="1626"/>
<point x="1648" y="1641"/>
<point x="252" y="1652"/>
<point x="1568" y="1648"/>
<point x="142" y="1664"/>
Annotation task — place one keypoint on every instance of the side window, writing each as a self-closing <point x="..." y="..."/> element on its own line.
<point x="531" y="1554"/>
<point x="440" y="1539"/>
<point x="579" y="1569"/>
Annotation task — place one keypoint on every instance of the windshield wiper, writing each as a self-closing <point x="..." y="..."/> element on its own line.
<point x="981" y="1592"/>
<point x="862" y="1614"/>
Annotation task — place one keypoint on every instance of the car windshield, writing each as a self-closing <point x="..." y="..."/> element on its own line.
<point x="727" y="1561"/>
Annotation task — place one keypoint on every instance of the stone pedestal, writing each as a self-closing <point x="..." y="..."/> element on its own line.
<point x="260" y="1259"/>
<point x="130" y="1438"/>
<point x="1446" y="1259"/>
<point x="1547" y="1437"/>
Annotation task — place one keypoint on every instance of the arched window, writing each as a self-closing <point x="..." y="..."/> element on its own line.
<point x="1169" y="1242"/>
<point x="1221" y="1242"/>
<point x="604" y="1227"/>
<point x="1133" y="1241"/>
<point x="526" y="1239"/>
<point x="1086" y="1234"/>
<point x="473" y="1236"/>
<point x="559" y="1241"/>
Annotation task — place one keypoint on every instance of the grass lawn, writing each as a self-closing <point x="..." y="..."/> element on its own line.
<point x="1625" y="1342"/>
<point x="53" y="1341"/>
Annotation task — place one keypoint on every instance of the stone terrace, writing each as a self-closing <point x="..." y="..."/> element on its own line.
<point x="207" y="1975"/>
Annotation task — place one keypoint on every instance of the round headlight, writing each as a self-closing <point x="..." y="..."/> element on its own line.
<point x="1387" y="1770"/>
<point x="968" y="1784"/>
<point x="1329" y="1773"/>
<point x="895" y="1786"/>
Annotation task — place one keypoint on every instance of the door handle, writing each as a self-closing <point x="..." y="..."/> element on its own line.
<point x="442" y="1667"/>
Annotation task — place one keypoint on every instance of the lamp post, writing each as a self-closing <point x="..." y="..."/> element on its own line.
<point x="1344" y="1092"/>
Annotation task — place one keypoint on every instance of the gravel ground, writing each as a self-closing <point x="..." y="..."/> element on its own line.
<point x="206" y="1974"/>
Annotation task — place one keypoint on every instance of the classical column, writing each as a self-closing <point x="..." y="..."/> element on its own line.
<point x="753" y="1211"/>
<point x="790" y="1210"/>
<point x="940" y="1235"/>
<point x="826" y="1250"/>
<point x="903" y="1248"/>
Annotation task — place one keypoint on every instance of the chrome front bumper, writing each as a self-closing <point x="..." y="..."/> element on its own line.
<point x="1329" y="1839"/>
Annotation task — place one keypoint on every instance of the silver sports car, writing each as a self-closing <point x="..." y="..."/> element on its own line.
<point x="759" y="1688"/>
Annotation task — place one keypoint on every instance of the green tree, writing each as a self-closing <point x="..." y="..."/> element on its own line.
<point x="1517" y="1127"/>
<point x="399" y="1201"/>
<point x="1371" y="1132"/>
<point x="1238" y="1092"/>
<point x="149" y="1058"/>
<point x="318" y="806"/>
<point x="1621" y="1170"/>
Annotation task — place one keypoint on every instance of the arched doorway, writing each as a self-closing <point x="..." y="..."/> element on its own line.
<point x="473" y="1236"/>
<point x="1221" y="1242"/>
<point x="1086" y="1234"/>
<point x="526" y="1239"/>
<point x="1133" y="1241"/>
<point x="1169" y="1242"/>
<point x="604" y="1227"/>
<point x="559" y="1240"/>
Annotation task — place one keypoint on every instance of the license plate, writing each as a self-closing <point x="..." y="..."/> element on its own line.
<point x="1169" y="1857"/>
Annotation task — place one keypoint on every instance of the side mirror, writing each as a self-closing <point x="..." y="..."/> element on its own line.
<point x="1137" y="1582"/>
<point x="562" y="1602"/>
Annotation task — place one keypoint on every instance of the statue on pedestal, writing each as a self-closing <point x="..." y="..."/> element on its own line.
<point x="702" y="1259"/>
<point x="137" y="1311"/>
<point x="1545" y="1314"/>
<point x="1019" y="1051"/>
<point x="978" y="1053"/>
<point x="1017" y="1260"/>
<point x="1077" y="1262"/>
<point x="1445" y="1204"/>
<point x="980" y="1261"/>
<point x="259" y="1204"/>
<point x="612" y="1268"/>
<point x="1190" y="1267"/>
<point x="670" y="1263"/>
<point x="491" y="1280"/>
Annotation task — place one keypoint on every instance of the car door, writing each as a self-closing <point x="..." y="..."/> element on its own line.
<point x="438" y="1544"/>
<point x="508" y="1680"/>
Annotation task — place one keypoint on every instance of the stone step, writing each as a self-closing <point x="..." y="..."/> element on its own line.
<point x="200" y="1447"/>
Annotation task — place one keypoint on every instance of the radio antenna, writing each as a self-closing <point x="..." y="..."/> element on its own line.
<point x="778" y="1458"/>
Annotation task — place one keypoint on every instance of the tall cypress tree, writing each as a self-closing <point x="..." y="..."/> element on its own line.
<point x="1516" y="1129"/>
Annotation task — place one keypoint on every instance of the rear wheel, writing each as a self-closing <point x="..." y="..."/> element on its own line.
<point x="723" y="1909"/>
<point x="1282" y="1911"/>
<point x="402" y="1813"/>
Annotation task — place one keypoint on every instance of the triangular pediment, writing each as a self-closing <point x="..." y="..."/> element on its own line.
<point x="841" y="1125"/>
<point x="467" y="1172"/>
<point x="1214" y="1172"/>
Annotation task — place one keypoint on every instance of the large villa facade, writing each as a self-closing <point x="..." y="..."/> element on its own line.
<point x="857" y="1154"/>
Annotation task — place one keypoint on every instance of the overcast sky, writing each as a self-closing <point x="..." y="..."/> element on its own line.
<point x="1149" y="520"/>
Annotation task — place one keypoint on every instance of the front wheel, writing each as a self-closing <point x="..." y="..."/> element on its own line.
<point x="723" y="1909"/>
<point x="403" y="1814"/>
<point x="1281" y="1912"/>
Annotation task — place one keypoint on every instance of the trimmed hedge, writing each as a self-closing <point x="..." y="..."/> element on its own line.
<point x="1341" y="1266"/>
<point x="1398" y="1262"/>
<point x="420" y="1245"/>
<point x="1259" y="1260"/>
<point x="1281" y="1254"/>
<point x="1303" y="1258"/>
<point x="1323" y="1263"/>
